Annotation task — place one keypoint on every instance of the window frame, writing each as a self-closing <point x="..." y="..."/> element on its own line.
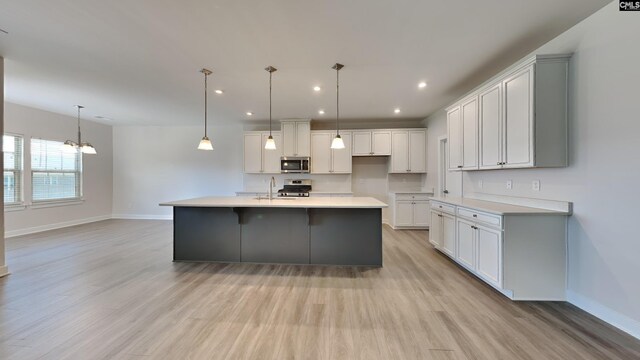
<point x="16" y="205"/>
<point x="78" y="199"/>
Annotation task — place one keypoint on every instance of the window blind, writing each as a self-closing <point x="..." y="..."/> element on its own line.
<point x="12" y="153"/>
<point x="55" y="173"/>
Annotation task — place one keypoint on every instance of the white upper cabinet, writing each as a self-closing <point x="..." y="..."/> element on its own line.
<point x="469" y="112"/>
<point x="341" y="158"/>
<point x="418" y="151"/>
<point x="490" y="127"/>
<point x="454" y="138"/>
<point x="408" y="151"/>
<point x="371" y="142"/>
<point x="296" y="138"/>
<point x="522" y="117"/>
<point x="325" y="160"/>
<point x="257" y="159"/>
<point x="253" y="152"/>
<point x="518" y="119"/>
<point x="271" y="158"/>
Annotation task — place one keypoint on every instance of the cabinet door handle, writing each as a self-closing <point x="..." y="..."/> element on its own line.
<point x="499" y="163"/>
<point x="459" y="166"/>
<point x="475" y="215"/>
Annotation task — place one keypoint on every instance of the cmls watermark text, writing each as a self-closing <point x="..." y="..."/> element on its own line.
<point x="629" y="5"/>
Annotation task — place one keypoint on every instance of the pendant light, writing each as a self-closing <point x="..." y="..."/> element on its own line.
<point x="337" y="142"/>
<point x="205" y="143"/>
<point x="270" y="144"/>
<point x="84" y="147"/>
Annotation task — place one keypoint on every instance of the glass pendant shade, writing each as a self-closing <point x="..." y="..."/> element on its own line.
<point x="87" y="148"/>
<point x="270" y="144"/>
<point x="69" y="147"/>
<point x="337" y="143"/>
<point x="205" y="144"/>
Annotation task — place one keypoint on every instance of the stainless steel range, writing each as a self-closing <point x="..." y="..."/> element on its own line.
<point x="295" y="188"/>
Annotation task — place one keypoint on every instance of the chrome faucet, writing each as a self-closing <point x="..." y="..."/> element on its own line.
<point x="272" y="184"/>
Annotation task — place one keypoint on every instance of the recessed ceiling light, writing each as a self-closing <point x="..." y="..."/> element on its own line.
<point x="321" y="112"/>
<point x="422" y="85"/>
<point x="249" y="113"/>
<point x="219" y="92"/>
<point x="396" y="110"/>
<point x="317" y="88"/>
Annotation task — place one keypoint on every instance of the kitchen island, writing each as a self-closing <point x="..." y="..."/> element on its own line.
<point x="321" y="231"/>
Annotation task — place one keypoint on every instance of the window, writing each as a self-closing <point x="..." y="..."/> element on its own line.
<point x="12" y="150"/>
<point x="55" y="173"/>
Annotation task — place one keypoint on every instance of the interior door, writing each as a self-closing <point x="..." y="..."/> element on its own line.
<point x="465" y="253"/>
<point x="435" y="230"/>
<point x="449" y="235"/>
<point x="361" y="143"/>
<point x="321" y="152"/>
<point x="253" y="153"/>
<point x="518" y="121"/>
<point x="271" y="163"/>
<point x="421" y="213"/>
<point x="454" y="137"/>
<point x="490" y="128"/>
<point x="418" y="151"/>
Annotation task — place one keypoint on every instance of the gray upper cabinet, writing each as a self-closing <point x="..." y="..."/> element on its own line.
<point x="520" y="117"/>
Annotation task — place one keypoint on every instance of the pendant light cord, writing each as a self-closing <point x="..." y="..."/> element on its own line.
<point x="79" y="134"/>
<point x="338" y="102"/>
<point x="270" y="76"/>
<point x="205" y="103"/>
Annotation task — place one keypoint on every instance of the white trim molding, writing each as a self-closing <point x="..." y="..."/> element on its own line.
<point x="614" y="318"/>
<point x="37" y="229"/>
<point x="141" y="217"/>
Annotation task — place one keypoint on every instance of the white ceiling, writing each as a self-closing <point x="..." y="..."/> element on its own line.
<point x="138" y="62"/>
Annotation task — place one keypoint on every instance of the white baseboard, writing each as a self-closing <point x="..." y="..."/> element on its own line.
<point x="141" y="217"/>
<point x="622" y="322"/>
<point x="4" y="271"/>
<point x="64" y="224"/>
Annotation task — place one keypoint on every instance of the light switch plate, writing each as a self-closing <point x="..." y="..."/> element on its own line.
<point x="509" y="184"/>
<point x="535" y="185"/>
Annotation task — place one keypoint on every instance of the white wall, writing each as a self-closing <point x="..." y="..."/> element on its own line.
<point x="97" y="178"/>
<point x="154" y="164"/>
<point x="602" y="179"/>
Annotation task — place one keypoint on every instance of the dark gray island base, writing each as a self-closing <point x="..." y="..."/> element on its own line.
<point x="278" y="235"/>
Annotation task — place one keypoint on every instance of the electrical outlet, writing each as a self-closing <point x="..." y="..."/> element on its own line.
<point x="480" y="184"/>
<point x="535" y="185"/>
<point x="509" y="184"/>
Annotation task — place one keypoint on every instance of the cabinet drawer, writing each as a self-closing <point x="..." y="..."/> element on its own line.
<point x="443" y="207"/>
<point x="489" y="219"/>
<point x="412" y="197"/>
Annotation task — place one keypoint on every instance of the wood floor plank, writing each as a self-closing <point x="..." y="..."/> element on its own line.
<point x="109" y="290"/>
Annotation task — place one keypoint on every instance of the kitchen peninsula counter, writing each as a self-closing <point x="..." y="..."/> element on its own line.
<point x="321" y="231"/>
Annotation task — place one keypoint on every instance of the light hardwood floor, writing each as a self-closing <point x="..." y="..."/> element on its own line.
<point x="109" y="290"/>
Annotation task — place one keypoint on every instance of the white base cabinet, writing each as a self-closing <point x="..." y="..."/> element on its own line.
<point x="409" y="211"/>
<point x="521" y="255"/>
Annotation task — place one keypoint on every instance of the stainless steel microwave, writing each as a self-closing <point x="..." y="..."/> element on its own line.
<point x="295" y="165"/>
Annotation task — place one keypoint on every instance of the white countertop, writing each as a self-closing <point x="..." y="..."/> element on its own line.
<point x="310" y="202"/>
<point x="496" y="207"/>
